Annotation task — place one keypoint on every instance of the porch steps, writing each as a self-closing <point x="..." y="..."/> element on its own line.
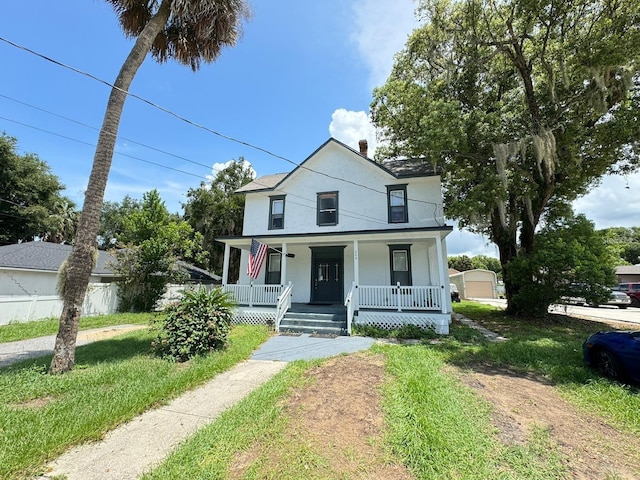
<point x="318" y="323"/>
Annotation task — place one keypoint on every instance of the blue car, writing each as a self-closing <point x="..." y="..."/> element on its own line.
<point x="615" y="354"/>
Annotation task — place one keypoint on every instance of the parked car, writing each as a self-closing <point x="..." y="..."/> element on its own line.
<point x="455" y="294"/>
<point x="615" y="354"/>
<point x="618" y="299"/>
<point x="604" y="296"/>
<point x="632" y="290"/>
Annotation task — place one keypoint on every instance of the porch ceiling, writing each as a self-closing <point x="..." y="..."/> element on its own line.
<point x="363" y="236"/>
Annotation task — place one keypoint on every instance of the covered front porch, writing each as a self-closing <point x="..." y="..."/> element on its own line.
<point x="378" y="305"/>
<point x="385" y="279"/>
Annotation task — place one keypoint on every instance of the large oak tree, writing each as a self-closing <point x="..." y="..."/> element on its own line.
<point x="524" y="104"/>
<point x="190" y="32"/>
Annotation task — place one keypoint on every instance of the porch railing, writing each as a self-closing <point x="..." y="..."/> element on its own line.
<point x="254" y="294"/>
<point x="399" y="297"/>
<point x="284" y="304"/>
<point x="351" y="303"/>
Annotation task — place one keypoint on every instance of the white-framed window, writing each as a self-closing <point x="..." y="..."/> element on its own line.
<point x="276" y="212"/>
<point x="327" y="208"/>
<point x="397" y="203"/>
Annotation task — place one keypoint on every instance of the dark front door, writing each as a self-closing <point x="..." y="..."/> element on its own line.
<point x="327" y="285"/>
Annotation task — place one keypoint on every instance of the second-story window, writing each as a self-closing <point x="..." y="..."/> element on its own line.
<point x="328" y="208"/>
<point x="276" y="212"/>
<point x="397" y="203"/>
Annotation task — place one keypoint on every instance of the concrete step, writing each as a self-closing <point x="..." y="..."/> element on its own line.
<point x="314" y="323"/>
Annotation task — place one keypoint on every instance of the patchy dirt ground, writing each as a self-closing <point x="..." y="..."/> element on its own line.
<point x="593" y="449"/>
<point x="339" y="416"/>
<point x="104" y="334"/>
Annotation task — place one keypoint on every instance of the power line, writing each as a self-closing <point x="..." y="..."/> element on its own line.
<point x="345" y="212"/>
<point x="197" y="125"/>
<point x="189" y="122"/>
<point x="144" y="100"/>
<point x="82" y="142"/>
<point x="109" y="133"/>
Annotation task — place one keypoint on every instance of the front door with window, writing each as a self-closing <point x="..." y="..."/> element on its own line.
<point x="327" y="270"/>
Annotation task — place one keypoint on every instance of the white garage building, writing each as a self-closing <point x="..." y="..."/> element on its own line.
<point x="477" y="283"/>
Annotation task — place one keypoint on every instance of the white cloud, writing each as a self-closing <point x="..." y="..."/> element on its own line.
<point x="382" y="27"/>
<point x="461" y="242"/>
<point x="615" y="203"/>
<point x="350" y="127"/>
<point x="218" y="167"/>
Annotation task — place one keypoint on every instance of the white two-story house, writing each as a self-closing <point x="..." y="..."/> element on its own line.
<point x="345" y="233"/>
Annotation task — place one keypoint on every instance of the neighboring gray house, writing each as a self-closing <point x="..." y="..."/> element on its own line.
<point x="348" y="237"/>
<point x="31" y="268"/>
<point x="628" y="273"/>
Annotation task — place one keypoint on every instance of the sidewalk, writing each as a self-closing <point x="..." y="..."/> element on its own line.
<point x="12" y="352"/>
<point x="137" y="446"/>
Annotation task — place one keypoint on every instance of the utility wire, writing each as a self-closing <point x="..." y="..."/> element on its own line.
<point x="92" y="145"/>
<point x="311" y="201"/>
<point x="197" y="125"/>
<point x="208" y="167"/>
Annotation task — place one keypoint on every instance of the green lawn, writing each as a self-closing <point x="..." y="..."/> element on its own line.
<point x="113" y="381"/>
<point x="434" y="425"/>
<point x="551" y="347"/>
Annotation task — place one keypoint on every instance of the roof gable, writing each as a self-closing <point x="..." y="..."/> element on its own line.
<point x="394" y="168"/>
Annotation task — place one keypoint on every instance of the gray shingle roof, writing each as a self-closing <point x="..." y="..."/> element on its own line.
<point x="46" y="256"/>
<point x="410" y="167"/>
<point x="266" y="182"/>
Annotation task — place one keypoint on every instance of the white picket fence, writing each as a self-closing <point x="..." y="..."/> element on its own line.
<point x="101" y="298"/>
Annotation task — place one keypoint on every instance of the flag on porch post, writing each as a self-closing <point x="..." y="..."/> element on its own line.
<point x="256" y="256"/>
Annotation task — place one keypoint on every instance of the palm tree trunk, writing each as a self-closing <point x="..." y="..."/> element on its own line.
<point x="80" y="262"/>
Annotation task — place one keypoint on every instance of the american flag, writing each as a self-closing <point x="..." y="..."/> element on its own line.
<point x="256" y="257"/>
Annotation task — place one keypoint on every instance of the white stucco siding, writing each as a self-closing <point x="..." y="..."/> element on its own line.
<point x="362" y="196"/>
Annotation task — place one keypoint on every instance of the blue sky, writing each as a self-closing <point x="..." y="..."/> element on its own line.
<point x="302" y="72"/>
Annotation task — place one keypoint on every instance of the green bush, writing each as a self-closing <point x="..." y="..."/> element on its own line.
<point x="198" y="324"/>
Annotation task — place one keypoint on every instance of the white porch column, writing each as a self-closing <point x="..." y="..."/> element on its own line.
<point x="225" y="265"/>
<point x="283" y="265"/>
<point x="356" y="263"/>
<point x="444" y="276"/>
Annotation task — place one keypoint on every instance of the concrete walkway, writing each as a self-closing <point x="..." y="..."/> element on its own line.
<point x="134" y="448"/>
<point x="141" y="444"/>
<point x="12" y="352"/>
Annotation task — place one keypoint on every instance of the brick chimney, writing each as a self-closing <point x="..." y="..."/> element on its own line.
<point x="364" y="147"/>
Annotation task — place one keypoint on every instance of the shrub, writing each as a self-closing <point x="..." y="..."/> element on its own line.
<point x="198" y="324"/>
<point x="406" y="332"/>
